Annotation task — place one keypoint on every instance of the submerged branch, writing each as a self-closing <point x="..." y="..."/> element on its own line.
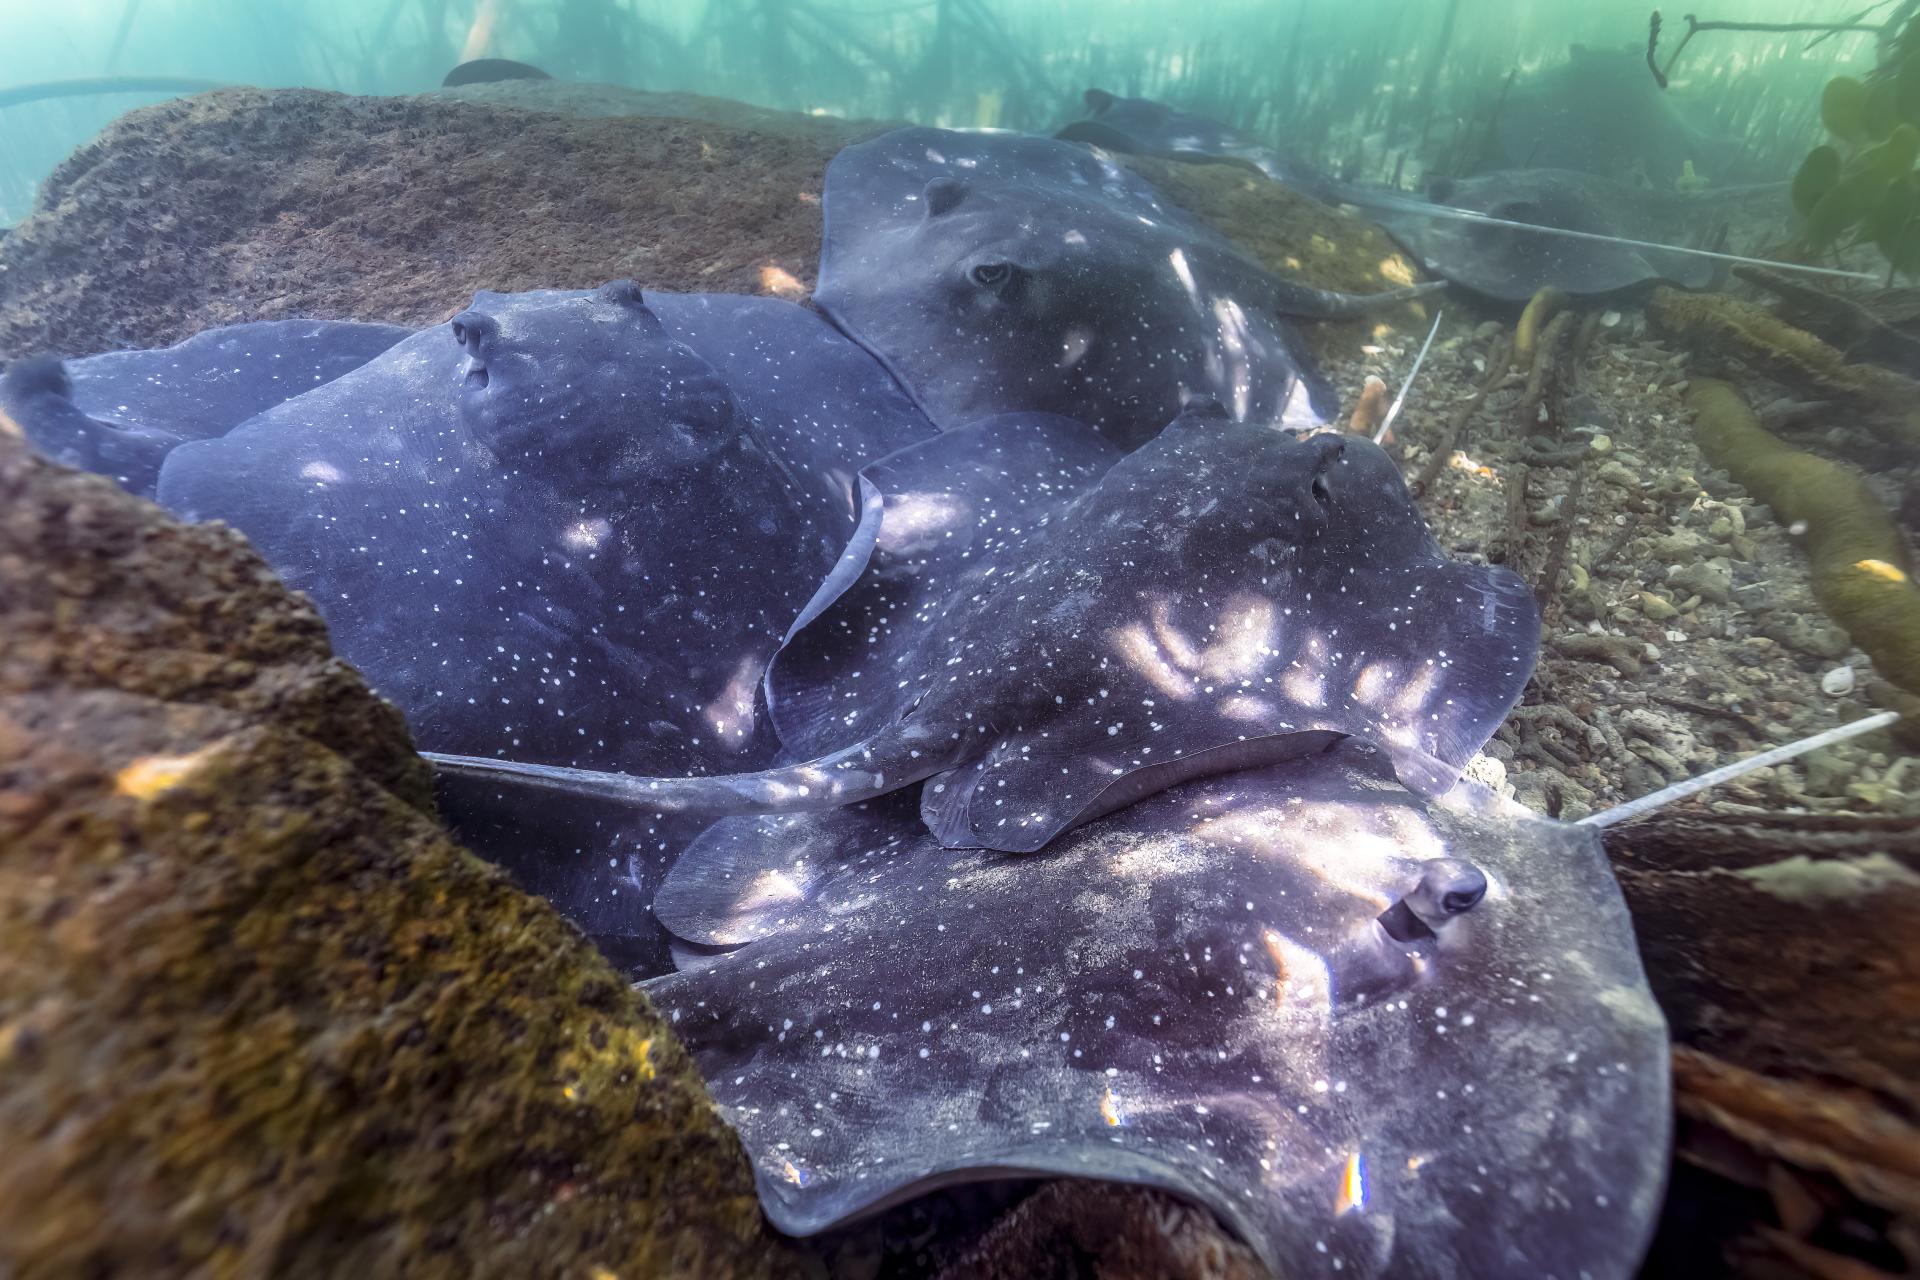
<point x="1695" y="27"/>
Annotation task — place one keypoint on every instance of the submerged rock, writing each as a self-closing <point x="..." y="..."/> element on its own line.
<point x="250" y="204"/>
<point x="258" y="1014"/>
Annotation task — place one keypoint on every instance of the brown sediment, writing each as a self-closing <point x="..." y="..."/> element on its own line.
<point x="259" y="1016"/>
<point x="1884" y="402"/>
<point x="1861" y="564"/>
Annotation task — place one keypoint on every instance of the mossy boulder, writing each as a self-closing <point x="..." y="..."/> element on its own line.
<point x="259" y="1016"/>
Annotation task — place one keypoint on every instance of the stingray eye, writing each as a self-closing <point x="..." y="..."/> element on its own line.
<point x="992" y="275"/>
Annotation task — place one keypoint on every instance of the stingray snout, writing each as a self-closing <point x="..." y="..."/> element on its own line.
<point x="1448" y="889"/>
<point x="473" y="330"/>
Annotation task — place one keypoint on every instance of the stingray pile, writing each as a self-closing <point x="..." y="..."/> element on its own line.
<point x="1003" y="748"/>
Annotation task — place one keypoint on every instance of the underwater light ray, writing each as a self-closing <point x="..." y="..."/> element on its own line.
<point x="1405" y="204"/>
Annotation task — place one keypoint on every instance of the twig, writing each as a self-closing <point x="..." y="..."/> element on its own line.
<point x="1540" y="403"/>
<point x="1695" y="27"/>
<point x="1457" y="428"/>
<point x="1517" y="474"/>
<point x="1547" y="590"/>
<point x="1707" y="709"/>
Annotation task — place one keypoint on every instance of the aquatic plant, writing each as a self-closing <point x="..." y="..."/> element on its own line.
<point x="1861" y="187"/>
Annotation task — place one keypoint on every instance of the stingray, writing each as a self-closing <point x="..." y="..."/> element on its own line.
<point x="1376" y="1037"/>
<point x="1511" y="265"/>
<point x="1600" y="112"/>
<point x="119" y="414"/>
<point x="491" y="71"/>
<point x="1042" y="646"/>
<point x="570" y="527"/>
<point x="1140" y="126"/>
<point x="999" y="273"/>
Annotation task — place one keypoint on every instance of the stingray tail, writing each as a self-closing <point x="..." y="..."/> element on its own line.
<point x="827" y="783"/>
<point x="1296" y="299"/>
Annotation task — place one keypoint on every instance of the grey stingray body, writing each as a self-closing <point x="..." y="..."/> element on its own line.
<point x="999" y="273"/>
<point x="119" y="414"/>
<point x="1140" y="126"/>
<point x="1511" y="265"/>
<point x="1600" y="112"/>
<point x="1045" y="631"/>
<point x="1194" y="993"/>
<point x="570" y="527"/>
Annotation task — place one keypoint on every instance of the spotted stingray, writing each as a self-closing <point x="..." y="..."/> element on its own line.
<point x="1376" y="1036"/>
<point x="1140" y="126"/>
<point x="567" y="526"/>
<point x="997" y="273"/>
<point x="1045" y="632"/>
<point x="119" y="414"/>
<point x="1511" y="265"/>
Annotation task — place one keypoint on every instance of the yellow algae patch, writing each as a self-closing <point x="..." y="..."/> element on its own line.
<point x="150" y="776"/>
<point x="1881" y="569"/>
<point x="1396" y="270"/>
<point x="780" y="282"/>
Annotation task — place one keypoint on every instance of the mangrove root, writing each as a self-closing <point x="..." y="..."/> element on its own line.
<point x="1862" y="567"/>
<point x="1887" y="403"/>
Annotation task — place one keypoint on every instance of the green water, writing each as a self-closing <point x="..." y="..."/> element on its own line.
<point x="1354" y="83"/>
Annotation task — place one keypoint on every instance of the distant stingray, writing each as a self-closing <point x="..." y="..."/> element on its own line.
<point x="1512" y="265"/>
<point x="1046" y="638"/>
<point x="119" y="414"/>
<point x="997" y="273"/>
<point x="1376" y="1038"/>
<point x="1600" y="112"/>
<point x="1139" y="126"/>
<point x="490" y="71"/>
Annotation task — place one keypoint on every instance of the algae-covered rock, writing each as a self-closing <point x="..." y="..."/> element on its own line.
<point x="251" y="204"/>
<point x="1294" y="236"/>
<point x="258" y="1015"/>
